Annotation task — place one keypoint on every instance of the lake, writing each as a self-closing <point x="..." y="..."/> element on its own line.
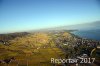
<point x="89" y="34"/>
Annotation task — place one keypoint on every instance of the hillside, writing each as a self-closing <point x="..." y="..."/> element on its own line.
<point x="37" y="49"/>
<point x="32" y="49"/>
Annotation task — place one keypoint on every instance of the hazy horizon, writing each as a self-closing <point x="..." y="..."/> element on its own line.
<point x="24" y="15"/>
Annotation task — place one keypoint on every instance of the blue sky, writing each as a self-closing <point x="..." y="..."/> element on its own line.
<point x="23" y="15"/>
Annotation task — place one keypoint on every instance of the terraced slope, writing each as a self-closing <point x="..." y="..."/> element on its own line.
<point x="31" y="50"/>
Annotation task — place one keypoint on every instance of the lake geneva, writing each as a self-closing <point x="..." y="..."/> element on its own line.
<point x="90" y="34"/>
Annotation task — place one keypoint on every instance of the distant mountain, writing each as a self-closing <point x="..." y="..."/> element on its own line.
<point x="85" y="26"/>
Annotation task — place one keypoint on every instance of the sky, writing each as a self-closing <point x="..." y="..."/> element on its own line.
<point x="24" y="15"/>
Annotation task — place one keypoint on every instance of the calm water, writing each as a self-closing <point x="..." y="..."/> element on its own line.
<point x="91" y="34"/>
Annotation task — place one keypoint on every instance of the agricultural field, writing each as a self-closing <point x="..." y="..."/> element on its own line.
<point x="31" y="50"/>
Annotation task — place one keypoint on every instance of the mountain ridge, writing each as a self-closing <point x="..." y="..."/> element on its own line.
<point x="86" y="26"/>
